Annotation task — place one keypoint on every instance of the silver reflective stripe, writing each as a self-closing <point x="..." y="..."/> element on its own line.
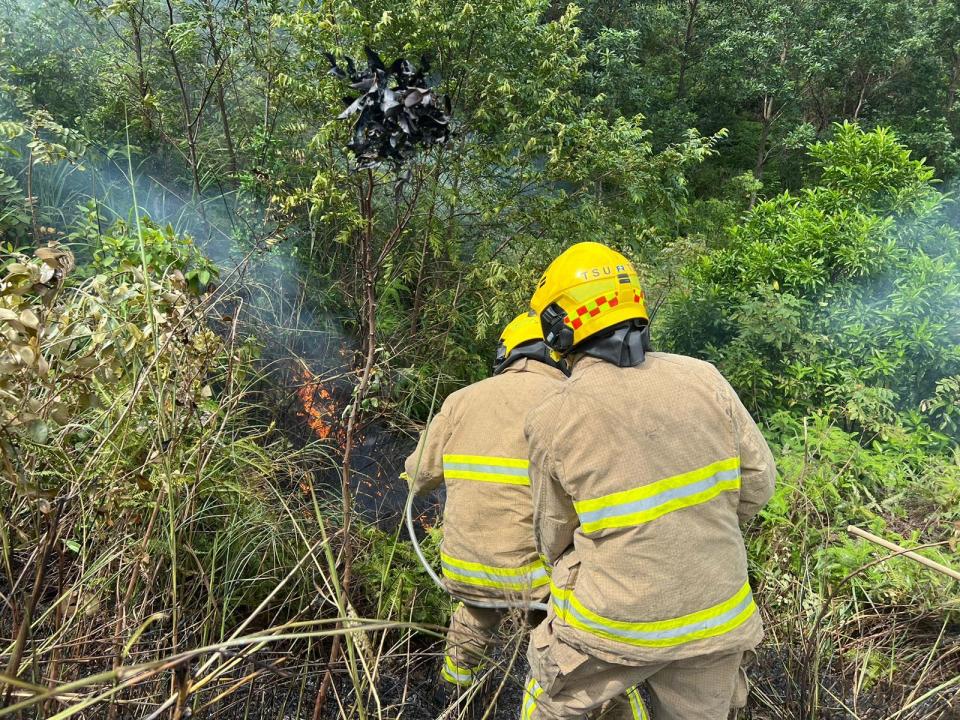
<point x="636" y="704"/>
<point x="528" y="706"/>
<point x="659" y="499"/>
<point x="477" y="467"/>
<point x="529" y="577"/>
<point x="459" y="675"/>
<point x="669" y="634"/>
<point x="530" y="695"/>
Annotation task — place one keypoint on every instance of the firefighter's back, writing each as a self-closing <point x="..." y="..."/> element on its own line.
<point x="488" y="546"/>
<point x="651" y="461"/>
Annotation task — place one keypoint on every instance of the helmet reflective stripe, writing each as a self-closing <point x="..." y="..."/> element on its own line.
<point x="712" y="621"/>
<point x="653" y="500"/>
<point x="595" y="307"/>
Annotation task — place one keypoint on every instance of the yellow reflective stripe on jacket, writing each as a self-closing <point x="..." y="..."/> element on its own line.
<point x="522" y="578"/>
<point x="712" y="621"/>
<point x="648" y="502"/>
<point x="637" y="708"/>
<point x="458" y="675"/>
<point x="531" y="692"/>
<point x="486" y="468"/>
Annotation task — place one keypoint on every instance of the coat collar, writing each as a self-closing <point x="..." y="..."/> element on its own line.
<point x="534" y="366"/>
<point x="582" y="362"/>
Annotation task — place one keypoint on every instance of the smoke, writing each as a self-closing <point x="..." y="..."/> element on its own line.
<point x="265" y="289"/>
<point x="265" y="292"/>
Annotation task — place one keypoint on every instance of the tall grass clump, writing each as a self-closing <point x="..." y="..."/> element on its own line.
<point x="148" y="510"/>
<point x="852" y="628"/>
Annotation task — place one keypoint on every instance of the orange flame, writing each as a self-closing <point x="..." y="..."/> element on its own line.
<point x="318" y="406"/>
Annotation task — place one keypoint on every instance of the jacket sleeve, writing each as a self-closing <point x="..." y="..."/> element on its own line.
<point x="758" y="470"/>
<point x="424" y="467"/>
<point x="554" y="518"/>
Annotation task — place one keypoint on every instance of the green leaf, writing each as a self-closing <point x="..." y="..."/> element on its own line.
<point x="38" y="431"/>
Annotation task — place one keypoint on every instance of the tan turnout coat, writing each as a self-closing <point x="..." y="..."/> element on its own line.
<point x="475" y="445"/>
<point x="640" y="478"/>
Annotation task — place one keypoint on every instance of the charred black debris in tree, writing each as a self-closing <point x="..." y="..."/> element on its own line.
<point x="397" y="110"/>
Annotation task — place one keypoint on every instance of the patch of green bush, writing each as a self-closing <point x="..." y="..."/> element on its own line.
<point x="842" y="298"/>
<point x="899" y="488"/>
<point x="393" y="581"/>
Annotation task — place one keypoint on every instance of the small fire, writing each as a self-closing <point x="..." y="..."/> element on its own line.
<point x="318" y="406"/>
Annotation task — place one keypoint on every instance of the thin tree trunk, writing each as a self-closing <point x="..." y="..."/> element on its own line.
<point x="31" y="200"/>
<point x="142" y="87"/>
<point x="861" y="97"/>
<point x="952" y="88"/>
<point x="260" y="62"/>
<point x="227" y="136"/>
<point x="692" y="6"/>
<point x="418" y="290"/>
<point x="766" y="118"/>
<point x="185" y="102"/>
<point x="369" y="273"/>
<point x="23" y="632"/>
<point x="218" y="61"/>
<point x="53" y="672"/>
<point x="761" y="160"/>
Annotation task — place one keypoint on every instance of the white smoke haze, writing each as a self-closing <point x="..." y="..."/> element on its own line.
<point x="261" y="283"/>
<point x="276" y="300"/>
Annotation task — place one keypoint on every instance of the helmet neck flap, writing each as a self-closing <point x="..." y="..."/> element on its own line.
<point x="624" y="345"/>
<point x="533" y="349"/>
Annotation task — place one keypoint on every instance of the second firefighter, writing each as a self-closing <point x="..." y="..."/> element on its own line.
<point x="475" y="445"/>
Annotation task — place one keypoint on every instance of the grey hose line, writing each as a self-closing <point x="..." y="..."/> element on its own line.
<point x="490" y="604"/>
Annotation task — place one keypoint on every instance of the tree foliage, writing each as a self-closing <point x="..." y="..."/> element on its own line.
<point x="782" y="174"/>
<point x="842" y="297"/>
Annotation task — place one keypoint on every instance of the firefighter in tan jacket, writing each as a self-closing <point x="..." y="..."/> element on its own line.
<point x="475" y="445"/>
<point x="642" y="466"/>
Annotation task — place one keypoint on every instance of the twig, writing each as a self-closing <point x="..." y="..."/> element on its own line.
<point x="933" y="565"/>
<point x="16" y="654"/>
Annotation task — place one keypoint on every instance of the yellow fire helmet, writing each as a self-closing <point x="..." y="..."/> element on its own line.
<point x="587" y="289"/>
<point x="522" y="337"/>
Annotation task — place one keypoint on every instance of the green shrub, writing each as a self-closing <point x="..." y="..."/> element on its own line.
<point x="844" y="297"/>
<point x="905" y="489"/>
<point x="393" y="581"/>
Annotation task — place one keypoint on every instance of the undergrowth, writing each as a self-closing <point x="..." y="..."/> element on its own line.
<point x="151" y="521"/>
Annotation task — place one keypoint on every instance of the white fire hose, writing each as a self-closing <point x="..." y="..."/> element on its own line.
<point x="491" y="604"/>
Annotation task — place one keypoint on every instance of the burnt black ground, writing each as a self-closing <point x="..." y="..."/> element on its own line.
<point x="407" y="688"/>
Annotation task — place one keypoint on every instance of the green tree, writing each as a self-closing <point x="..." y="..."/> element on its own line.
<point x="532" y="167"/>
<point x="844" y="296"/>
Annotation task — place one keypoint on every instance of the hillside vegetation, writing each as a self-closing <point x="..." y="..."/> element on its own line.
<point x="186" y="526"/>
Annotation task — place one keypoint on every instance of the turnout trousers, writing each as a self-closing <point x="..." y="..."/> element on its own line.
<point x="565" y="683"/>
<point x="470" y="638"/>
<point x="472" y="633"/>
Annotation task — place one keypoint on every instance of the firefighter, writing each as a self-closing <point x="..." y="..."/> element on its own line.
<point x="643" y="465"/>
<point x="475" y="446"/>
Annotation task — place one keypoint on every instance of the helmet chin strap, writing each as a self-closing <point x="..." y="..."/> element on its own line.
<point x="625" y="346"/>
